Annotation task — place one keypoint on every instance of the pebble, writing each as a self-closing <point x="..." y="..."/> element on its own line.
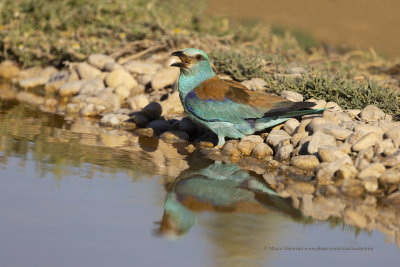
<point x="352" y="187"/>
<point x="291" y="125"/>
<point x="331" y="153"/>
<point x="123" y="92"/>
<point x="8" y="69"/>
<point x="383" y="146"/>
<point x="370" y="184"/>
<point x="92" y="87"/>
<point x="336" y="116"/>
<point x="368" y="140"/>
<point x="256" y="84"/>
<point x="371" y="113"/>
<point x="141" y="67"/>
<point x="261" y="150"/>
<point x="246" y="147"/>
<point x="164" y="78"/>
<point x="292" y="96"/>
<point x="318" y="103"/>
<point x="353" y="113"/>
<point x="70" y="88"/>
<point x="41" y="79"/>
<point x="99" y="60"/>
<point x="391" y="160"/>
<point x="172" y="105"/>
<point x="159" y="126"/>
<point x="230" y="147"/>
<point x="390" y="176"/>
<point x="355" y="218"/>
<point x="326" y="170"/>
<point x="138" y="102"/>
<point x="188" y="126"/>
<point x="364" y="157"/>
<point x="338" y="132"/>
<point x="86" y="71"/>
<point x="112" y="66"/>
<point x="333" y="106"/>
<point x="152" y="111"/>
<point x="347" y="171"/>
<point x="319" y="139"/>
<point x="174" y="135"/>
<point x="254" y="138"/>
<point x="284" y="152"/>
<point x="120" y="76"/>
<point x="275" y="136"/>
<point x="368" y="128"/>
<point x="372" y="170"/>
<point x="305" y="162"/>
<point x="139" y="119"/>
<point x="296" y="138"/>
<point x="394" y="134"/>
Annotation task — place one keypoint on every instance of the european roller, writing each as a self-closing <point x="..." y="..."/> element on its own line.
<point x="227" y="107"/>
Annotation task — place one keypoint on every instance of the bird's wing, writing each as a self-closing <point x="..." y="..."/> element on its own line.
<point x="226" y="100"/>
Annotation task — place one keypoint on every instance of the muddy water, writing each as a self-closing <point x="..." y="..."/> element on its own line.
<point x="74" y="194"/>
<point x="357" y="23"/>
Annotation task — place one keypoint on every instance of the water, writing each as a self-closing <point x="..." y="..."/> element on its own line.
<point x="73" y="194"/>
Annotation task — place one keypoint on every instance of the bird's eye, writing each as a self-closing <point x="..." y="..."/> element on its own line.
<point x="199" y="57"/>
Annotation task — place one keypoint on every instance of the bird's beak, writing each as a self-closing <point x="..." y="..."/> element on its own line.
<point x="185" y="61"/>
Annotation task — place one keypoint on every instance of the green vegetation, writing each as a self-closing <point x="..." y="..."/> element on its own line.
<point x="40" y="32"/>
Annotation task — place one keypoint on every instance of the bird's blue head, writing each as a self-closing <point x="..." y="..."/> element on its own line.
<point x="195" y="68"/>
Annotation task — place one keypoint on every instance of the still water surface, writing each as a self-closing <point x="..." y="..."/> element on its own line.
<point x="74" y="196"/>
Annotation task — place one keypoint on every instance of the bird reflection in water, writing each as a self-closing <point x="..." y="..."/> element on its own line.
<point x="218" y="187"/>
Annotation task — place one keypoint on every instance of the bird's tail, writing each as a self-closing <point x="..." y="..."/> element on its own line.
<point x="268" y="122"/>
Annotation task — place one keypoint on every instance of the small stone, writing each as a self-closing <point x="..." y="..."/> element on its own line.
<point x="373" y="170"/>
<point x="318" y="103"/>
<point x="370" y="184"/>
<point x="353" y="113"/>
<point x="230" y="147"/>
<point x="391" y="176"/>
<point x="141" y="67"/>
<point x="254" y="138"/>
<point x="331" y="153"/>
<point x="72" y="108"/>
<point x="172" y="105"/>
<point x="284" y="152"/>
<point x="70" y="88"/>
<point x="355" y="218"/>
<point x="51" y="104"/>
<point x="292" y="96"/>
<point x="138" y="102"/>
<point x="112" y="66"/>
<point x="159" y="126"/>
<point x="352" y="187"/>
<point x="119" y="77"/>
<point x="256" y="84"/>
<point x="246" y="147"/>
<point x="364" y="158"/>
<point x="261" y="150"/>
<point x="297" y="137"/>
<point x="152" y="111"/>
<point x="89" y="111"/>
<point x="336" y="116"/>
<point x="86" y="71"/>
<point x="347" y="171"/>
<point x="382" y="146"/>
<point x="391" y="160"/>
<point x="92" y="87"/>
<point x="326" y="170"/>
<point x="174" y="136"/>
<point x="394" y="198"/>
<point x="366" y="141"/>
<point x="394" y="134"/>
<point x="33" y="82"/>
<point x="149" y="132"/>
<point x="164" y="78"/>
<point x="275" y="136"/>
<point x="333" y="106"/>
<point x="8" y="69"/>
<point x="99" y="60"/>
<point x="371" y="113"/>
<point x="144" y="79"/>
<point x="367" y="128"/>
<point x="188" y="126"/>
<point x="334" y="130"/>
<point x="123" y="92"/>
<point x="139" y="119"/>
<point x="291" y="125"/>
<point x="305" y="162"/>
<point x="354" y="137"/>
<point x="319" y="139"/>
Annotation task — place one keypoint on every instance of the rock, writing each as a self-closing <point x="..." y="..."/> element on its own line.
<point x="141" y="67"/>
<point x="326" y="170"/>
<point x="261" y="150"/>
<point x="302" y="127"/>
<point x="292" y="96"/>
<point x="256" y="84"/>
<point x="333" y="106"/>
<point x="347" y="171"/>
<point x="370" y="184"/>
<point x="364" y="157"/>
<point x="353" y="113"/>
<point x="89" y="110"/>
<point x="188" y="126"/>
<point x="112" y="66"/>
<point x="284" y="151"/>
<point x="8" y="69"/>
<point x="70" y="88"/>
<point x="138" y="102"/>
<point x="29" y="98"/>
<point x="391" y="160"/>
<point x="354" y="137"/>
<point x="172" y="105"/>
<point x="305" y="162"/>
<point x="55" y="81"/>
<point x="72" y="108"/>
<point x="174" y="136"/>
<point x="394" y="198"/>
<point x="164" y="78"/>
<point x="99" y="60"/>
<point x="230" y="147"/>
<point x="352" y="187"/>
<point x="334" y="130"/>
<point x="51" y="104"/>
<point x="139" y="119"/>
<point x="110" y="100"/>
<point x="254" y="138"/>
<point x="246" y="147"/>
<point x="319" y="139"/>
<point x="86" y="71"/>
<point x="297" y="137"/>
<point x="152" y="111"/>
<point x="92" y="87"/>
<point x="318" y="103"/>
<point x="371" y="113"/>
<point x="41" y="79"/>
<point x="373" y="170"/>
<point x="390" y="176"/>
<point x="331" y="153"/>
<point x="28" y="73"/>
<point x="382" y="146"/>
<point x="123" y="92"/>
<point x="366" y="141"/>
<point x="367" y="128"/>
<point x="394" y="134"/>
<point x="275" y="136"/>
<point x="336" y="116"/>
<point x="119" y="77"/>
<point x="291" y="125"/>
<point x="355" y="218"/>
<point x="159" y="126"/>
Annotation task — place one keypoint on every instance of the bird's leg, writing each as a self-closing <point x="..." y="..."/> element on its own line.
<point x="221" y="141"/>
